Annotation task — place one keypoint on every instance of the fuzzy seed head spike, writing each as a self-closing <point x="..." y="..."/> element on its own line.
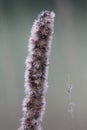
<point x="36" y="71"/>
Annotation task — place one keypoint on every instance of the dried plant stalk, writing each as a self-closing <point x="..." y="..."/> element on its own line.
<point x="36" y="71"/>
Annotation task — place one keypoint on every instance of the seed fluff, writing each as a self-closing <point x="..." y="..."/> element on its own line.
<point x="37" y="71"/>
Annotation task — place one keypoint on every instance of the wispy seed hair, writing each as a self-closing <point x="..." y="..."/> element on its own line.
<point x="36" y="71"/>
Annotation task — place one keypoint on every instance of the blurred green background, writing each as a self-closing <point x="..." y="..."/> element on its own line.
<point x="68" y="59"/>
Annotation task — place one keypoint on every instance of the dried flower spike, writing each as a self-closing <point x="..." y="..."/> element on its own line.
<point x="36" y="71"/>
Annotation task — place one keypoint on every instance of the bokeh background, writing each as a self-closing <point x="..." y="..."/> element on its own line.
<point x="68" y="62"/>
